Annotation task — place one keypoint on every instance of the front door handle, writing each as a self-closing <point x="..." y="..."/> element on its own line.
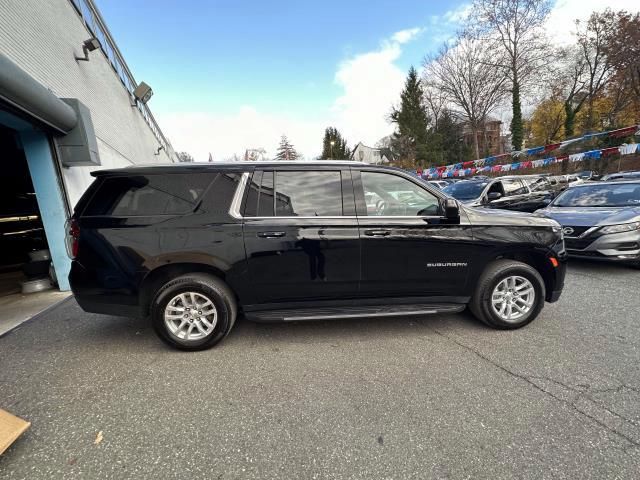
<point x="377" y="233"/>
<point x="271" y="234"/>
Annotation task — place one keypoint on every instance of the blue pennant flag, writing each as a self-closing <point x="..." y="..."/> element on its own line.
<point x="535" y="151"/>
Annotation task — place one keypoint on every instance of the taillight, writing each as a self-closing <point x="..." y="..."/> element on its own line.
<point x="72" y="230"/>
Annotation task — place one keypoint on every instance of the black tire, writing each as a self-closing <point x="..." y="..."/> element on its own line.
<point x="208" y="286"/>
<point x="497" y="271"/>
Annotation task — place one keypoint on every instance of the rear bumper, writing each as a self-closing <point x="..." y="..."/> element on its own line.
<point x="554" y="296"/>
<point x="94" y="297"/>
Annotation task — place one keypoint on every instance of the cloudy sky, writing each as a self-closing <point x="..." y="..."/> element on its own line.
<point x="235" y="74"/>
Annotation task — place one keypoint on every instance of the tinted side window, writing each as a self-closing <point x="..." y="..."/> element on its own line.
<point x="390" y="195"/>
<point x="145" y="195"/>
<point x="513" y="187"/>
<point x="219" y="195"/>
<point x="260" y="195"/>
<point x="538" y="184"/>
<point x="308" y="193"/>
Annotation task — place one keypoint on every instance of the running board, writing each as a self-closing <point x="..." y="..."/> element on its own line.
<point x="336" y="313"/>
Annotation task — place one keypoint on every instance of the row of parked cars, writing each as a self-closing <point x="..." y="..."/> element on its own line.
<point x="600" y="217"/>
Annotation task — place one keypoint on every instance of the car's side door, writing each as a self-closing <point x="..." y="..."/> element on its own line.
<point x="541" y="193"/>
<point x="301" y="235"/>
<point x="408" y="248"/>
<point x="514" y="194"/>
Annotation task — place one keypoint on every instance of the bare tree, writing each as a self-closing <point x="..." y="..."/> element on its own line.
<point x="436" y="102"/>
<point x="593" y="41"/>
<point x="474" y="88"/>
<point x="515" y="28"/>
<point x="624" y="49"/>
<point x="572" y="84"/>
<point x="586" y="69"/>
<point x="184" y="157"/>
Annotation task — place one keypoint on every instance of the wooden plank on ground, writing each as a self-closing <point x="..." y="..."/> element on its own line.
<point x="11" y="427"/>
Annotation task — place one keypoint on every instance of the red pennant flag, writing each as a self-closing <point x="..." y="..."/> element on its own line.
<point x="605" y="152"/>
<point x="467" y="164"/>
<point x="561" y="158"/>
<point x="496" y="168"/>
<point x="551" y="148"/>
<point x="526" y="164"/>
<point x="623" y="132"/>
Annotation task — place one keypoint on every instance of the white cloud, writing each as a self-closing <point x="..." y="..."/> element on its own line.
<point x="371" y="84"/>
<point x="561" y="22"/>
<point x="404" y="36"/>
<point x="456" y="16"/>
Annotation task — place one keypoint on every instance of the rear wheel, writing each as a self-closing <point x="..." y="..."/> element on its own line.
<point x="509" y="295"/>
<point x="193" y="311"/>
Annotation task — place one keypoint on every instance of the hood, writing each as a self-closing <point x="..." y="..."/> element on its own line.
<point x="474" y="202"/>
<point x="591" y="216"/>
<point x="490" y="216"/>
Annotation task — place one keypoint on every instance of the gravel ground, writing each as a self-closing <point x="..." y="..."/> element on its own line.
<point x="438" y="397"/>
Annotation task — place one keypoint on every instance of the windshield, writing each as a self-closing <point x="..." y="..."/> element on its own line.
<point x="600" y="195"/>
<point x="465" y="190"/>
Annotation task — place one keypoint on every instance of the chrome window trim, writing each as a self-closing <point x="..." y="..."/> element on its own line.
<point x="236" y="202"/>
<point x="336" y="217"/>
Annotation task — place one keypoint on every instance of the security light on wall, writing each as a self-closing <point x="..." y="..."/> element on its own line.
<point x="88" y="46"/>
<point x="142" y="93"/>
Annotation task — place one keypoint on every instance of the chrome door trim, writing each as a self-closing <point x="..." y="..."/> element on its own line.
<point x="236" y="202"/>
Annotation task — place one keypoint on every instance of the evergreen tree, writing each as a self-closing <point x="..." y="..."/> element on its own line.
<point x="446" y="142"/>
<point x="338" y="150"/>
<point x="410" y="140"/>
<point x="286" y="150"/>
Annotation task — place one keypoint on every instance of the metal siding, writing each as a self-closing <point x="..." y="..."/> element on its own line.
<point x="43" y="38"/>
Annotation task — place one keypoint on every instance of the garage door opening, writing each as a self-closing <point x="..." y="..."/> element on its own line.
<point x="27" y="279"/>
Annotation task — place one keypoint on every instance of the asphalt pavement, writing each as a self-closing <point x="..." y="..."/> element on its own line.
<point x="437" y="397"/>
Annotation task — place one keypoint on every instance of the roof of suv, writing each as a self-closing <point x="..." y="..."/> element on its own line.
<point x="202" y="166"/>
<point x="618" y="181"/>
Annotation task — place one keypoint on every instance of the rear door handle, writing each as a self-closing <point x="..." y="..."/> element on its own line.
<point x="271" y="234"/>
<point x="377" y="233"/>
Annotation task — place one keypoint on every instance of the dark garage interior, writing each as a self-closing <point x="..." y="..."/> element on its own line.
<point x="23" y="245"/>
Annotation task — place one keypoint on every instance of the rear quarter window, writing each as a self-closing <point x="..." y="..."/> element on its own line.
<point x="148" y="195"/>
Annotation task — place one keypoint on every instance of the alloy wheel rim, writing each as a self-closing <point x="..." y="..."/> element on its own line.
<point x="190" y="316"/>
<point x="513" y="298"/>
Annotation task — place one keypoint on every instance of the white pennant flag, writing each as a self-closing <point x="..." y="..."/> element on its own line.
<point x="628" y="148"/>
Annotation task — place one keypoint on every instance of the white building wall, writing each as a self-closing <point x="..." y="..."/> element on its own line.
<point x="370" y="155"/>
<point x="42" y="37"/>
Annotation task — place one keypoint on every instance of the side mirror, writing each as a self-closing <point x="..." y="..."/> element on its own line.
<point x="491" y="196"/>
<point x="451" y="209"/>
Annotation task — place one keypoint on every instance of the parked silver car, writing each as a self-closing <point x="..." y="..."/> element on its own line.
<point x="600" y="220"/>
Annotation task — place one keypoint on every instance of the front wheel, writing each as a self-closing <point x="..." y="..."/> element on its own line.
<point x="193" y="311"/>
<point x="509" y="295"/>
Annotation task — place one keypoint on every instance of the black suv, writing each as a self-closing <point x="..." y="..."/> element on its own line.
<point x="523" y="193"/>
<point x="192" y="245"/>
